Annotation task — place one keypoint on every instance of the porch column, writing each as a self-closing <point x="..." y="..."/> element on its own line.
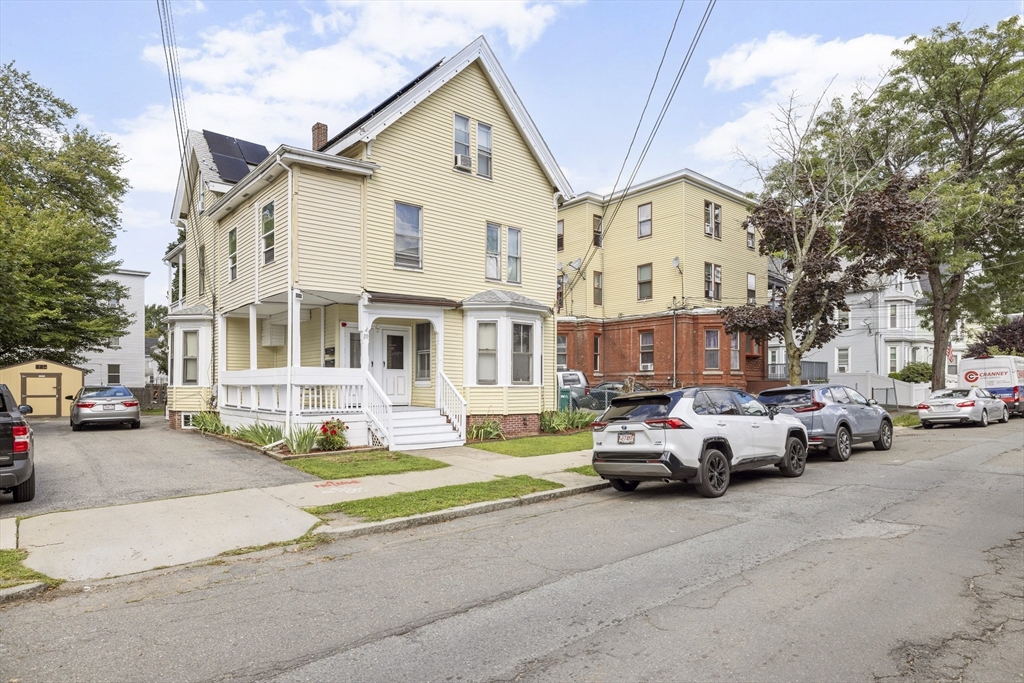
<point x="181" y="276"/>
<point x="295" y="331"/>
<point x="170" y="283"/>
<point x="438" y="323"/>
<point x="221" y="356"/>
<point x="364" y="335"/>
<point x="254" y="397"/>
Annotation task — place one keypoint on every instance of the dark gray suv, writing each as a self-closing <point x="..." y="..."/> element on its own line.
<point x="836" y="416"/>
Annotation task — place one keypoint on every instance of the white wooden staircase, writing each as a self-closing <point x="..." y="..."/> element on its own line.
<point x="418" y="428"/>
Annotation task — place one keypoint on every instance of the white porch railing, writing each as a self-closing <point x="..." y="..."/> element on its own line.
<point x="315" y="391"/>
<point x="378" y="409"/>
<point x="453" y="405"/>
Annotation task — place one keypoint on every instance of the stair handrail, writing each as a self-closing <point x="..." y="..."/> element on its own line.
<point x="453" y="405"/>
<point x="378" y="407"/>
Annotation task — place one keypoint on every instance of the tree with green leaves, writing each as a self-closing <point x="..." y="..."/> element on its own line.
<point x="156" y="329"/>
<point x="60" y="194"/>
<point x="1006" y="339"/>
<point x="967" y="89"/>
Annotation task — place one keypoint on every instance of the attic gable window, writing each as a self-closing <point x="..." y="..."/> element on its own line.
<point x="408" y="236"/>
<point x="267" y="223"/>
<point x="483" y="150"/>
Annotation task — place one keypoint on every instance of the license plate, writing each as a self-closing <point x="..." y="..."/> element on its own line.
<point x="943" y="409"/>
<point x="108" y="407"/>
<point x="627" y="438"/>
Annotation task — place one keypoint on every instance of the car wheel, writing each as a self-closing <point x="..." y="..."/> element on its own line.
<point x="927" y="425"/>
<point x="840" y="452"/>
<point x="714" y="474"/>
<point x="1006" y="416"/>
<point x="76" y="427"/>
<point x="884" y="441"/>
<point x="26" y="490"/>
<point x="984" y="419"/>
<point x="623" y="485"/>
<point x="795" y="460"/>
<point x="136" y="424"/>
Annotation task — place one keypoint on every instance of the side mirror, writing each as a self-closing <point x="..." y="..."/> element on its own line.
<point x="773" y="411"/>
<point x="872" y="402"/>
<point x="69" y="398"/>
<point x="25" y="410"/>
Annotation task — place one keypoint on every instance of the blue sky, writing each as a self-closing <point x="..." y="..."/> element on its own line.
<point x="266" y="71"/>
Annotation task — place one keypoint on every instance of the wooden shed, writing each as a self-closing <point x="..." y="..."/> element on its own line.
<point x="43" y="384"/>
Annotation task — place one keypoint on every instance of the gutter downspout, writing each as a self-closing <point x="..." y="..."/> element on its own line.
<point x="291" y="304"/>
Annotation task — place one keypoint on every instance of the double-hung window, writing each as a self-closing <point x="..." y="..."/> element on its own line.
<point x="562" y="352"/>
<point x="711" y="350"/>
<point x="487" y="353"/>
<point x="843" y="318"/>
<point x="893" y="359"/>
<point x="643" y="220"/>
<point x="515" y="255"/>
<point x="643" y="282"/>
<point x="598" y="227"/>
<point x="423" y="352"/>
<point x="713" y="220"/>
<point x="598" y="288"/>
<point x="461" y="139"/>
<point x="202" y="269"/>
<point x="408" y="235"/>
<point x="560" y="231"/>
<point x="114" y="373"/>
<point x="493" y="251"/>
<point x="843" y="360"/>
<point x="267" y="230"/>
<point x="713" y="281"/>
<point x="646" y="351"/>
<point x="522" y="353"/>
<point x="597" y="353"/>
<point x="734" y="351"/>
<point x="559" y="290"/>
<point x="751" y="289"/>
<point x="750" y="235"/>
<point x="893" y="316"/>
<point x="190" y="357"/>
<point x="232" y="254"/>
<point x="483" y="150"/>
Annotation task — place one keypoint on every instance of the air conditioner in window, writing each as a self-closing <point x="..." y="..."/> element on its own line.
<point x="841" y="368"/>
<point x="646" y="367"/>
<point x="463" y="162"/>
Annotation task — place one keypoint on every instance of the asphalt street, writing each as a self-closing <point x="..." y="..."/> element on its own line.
<point x="906" y="565"/>
<point x="112" y="465"/>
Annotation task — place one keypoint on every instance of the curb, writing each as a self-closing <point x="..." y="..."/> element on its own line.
<point x="457" y="513"/>
<point x="23" y="591"/>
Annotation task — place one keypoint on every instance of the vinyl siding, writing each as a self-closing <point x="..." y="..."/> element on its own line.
<point x="453" y="349"/>
<point x="328" y="212"/>
<point x="237" y="343"/>
<point x="309" y="342"/>
<point x="188" y="399"/>
<point x="579" y="230"/>
<point x="425" y="393"/>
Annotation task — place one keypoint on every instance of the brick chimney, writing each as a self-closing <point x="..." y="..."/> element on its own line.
<point x="319" y="136"/>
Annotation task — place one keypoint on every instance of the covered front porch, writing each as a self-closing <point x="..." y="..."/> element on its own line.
<point x="374" y="361"/>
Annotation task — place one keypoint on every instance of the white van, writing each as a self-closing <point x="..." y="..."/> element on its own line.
<point x="1003" y="376"/>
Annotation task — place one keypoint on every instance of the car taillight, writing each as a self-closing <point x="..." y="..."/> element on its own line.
<point x="586" y="390"/>
<point x="598" y="426"/>
<point x="668" y="423"/>
<point x="84" y="405"/>
<point x="129" y="404"/>
<point x="1016" y="393"/>
<point x="923" y="406"/>
<point x="20" y="433"/>
<point x="815" y="405"/>
<point x="965" y="404"/>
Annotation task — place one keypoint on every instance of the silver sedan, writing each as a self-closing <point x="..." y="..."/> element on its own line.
<point x="110" y="405"/>
<point x="962" y="406"/>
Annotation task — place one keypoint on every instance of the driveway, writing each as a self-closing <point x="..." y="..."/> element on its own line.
<point x="113" y="465"/>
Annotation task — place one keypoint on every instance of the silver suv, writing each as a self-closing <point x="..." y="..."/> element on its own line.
<point x="836" y="416"/>
<point x="699" y="435"/>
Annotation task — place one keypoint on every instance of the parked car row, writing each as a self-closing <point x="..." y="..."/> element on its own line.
<point x="17" y="449"/>
<point x="701" y="435"/>
<point x="962" y="406"/>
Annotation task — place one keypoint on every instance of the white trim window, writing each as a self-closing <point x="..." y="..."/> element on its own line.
<point x="646" y="351"/>
<point x="893" y="359"/>
<point x="202" y="269"/>
<point x="408" y="236"/>
<point x="752" y="289"/>
<point x="713" y="220"/>
<point x="598" y="230"/>
<point x="232" y="254"/>
<point x="493" y="269"/>
<point x="514" y="272"/>
<point x="711" y="346"/>
<point x="893" y="317"/>
<point x="751" y="239"/>
<point x="560" y="281"/>
<point x="843" y="360"/>
<point x="644" y="284"/>
<point x="843" y="318"/>
<point x="560" y="232"/>
<point x="713" y="281"/>
<point x="734" y="352"/>
<point x="487" y="352"/>
<point x="267" y="231"/>
<point x="422" y="352"/>
<point x="522" y="353"/>
<point x="461" y="126"/>
<point x="643" y="220"/>
<point x="597" y="353"/>
<point x="562" y="352"/>
<point x="598" y="288"/>
<point x="484" y="157"/>
<point x="190" y="357"/>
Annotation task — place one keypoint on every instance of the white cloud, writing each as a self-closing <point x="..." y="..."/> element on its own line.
<point x="781" y="65"/>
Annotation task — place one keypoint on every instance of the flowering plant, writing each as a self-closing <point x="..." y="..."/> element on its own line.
<point x="332" y="435"/>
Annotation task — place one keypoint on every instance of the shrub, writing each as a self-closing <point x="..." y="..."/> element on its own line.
<point x="302" y="439"/>
<point x="209" y="423"/>
<point x="331" y="435"/>
<point x="554" y="421"/>
<point x="259" y="434"/>
<point x="489" y="429"/>
<point x="914" y="372"/>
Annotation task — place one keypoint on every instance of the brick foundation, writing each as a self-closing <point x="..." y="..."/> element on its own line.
<point x="525" y="424"/>
<point x="174" y="417"/>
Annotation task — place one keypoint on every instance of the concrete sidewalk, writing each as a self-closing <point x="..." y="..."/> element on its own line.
<point x="112" y="541"/>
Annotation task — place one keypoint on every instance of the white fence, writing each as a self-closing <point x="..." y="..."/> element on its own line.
<point x="889" y="392"/>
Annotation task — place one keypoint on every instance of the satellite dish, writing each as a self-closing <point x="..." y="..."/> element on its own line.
<point x="675" y="262"/>
<point x="575" y="265"/>
<point x="559" y="266"/>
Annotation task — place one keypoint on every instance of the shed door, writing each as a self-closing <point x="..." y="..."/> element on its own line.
<point x="42" y="392"/>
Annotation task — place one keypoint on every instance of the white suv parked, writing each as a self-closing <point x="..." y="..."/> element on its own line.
<point x="698" y="435"/>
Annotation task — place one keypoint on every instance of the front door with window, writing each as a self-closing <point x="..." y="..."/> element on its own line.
<point x="392" y="366"/>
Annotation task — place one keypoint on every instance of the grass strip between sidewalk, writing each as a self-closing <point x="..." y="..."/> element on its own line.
<point x="585" y="469"/>
<point x="539" y="445"/>
<point x="411" y="503"/>
<point x="907" y="420"/>
<point x="14" y="573"/>
<point x="364" y="464"/>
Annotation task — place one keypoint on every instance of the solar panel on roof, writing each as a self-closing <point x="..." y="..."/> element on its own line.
<point x="251" y="152"/>
<point x="231" y="169"/>
<point x="222" y="144"/>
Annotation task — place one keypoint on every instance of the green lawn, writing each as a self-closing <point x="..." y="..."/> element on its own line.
<point x="539" y="445"/>
<point x="429" y="500"/>
<point x="586" y="469"/>
<point x="153" y="411"/>
<point x="908" y="420"/>
<point x="364" y="464"/>
<point x="13" y="572"/>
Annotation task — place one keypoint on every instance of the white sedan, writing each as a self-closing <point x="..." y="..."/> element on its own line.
<point x="962" y="406"/>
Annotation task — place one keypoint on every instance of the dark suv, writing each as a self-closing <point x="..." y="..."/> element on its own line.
<point x="17" y="468"/>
